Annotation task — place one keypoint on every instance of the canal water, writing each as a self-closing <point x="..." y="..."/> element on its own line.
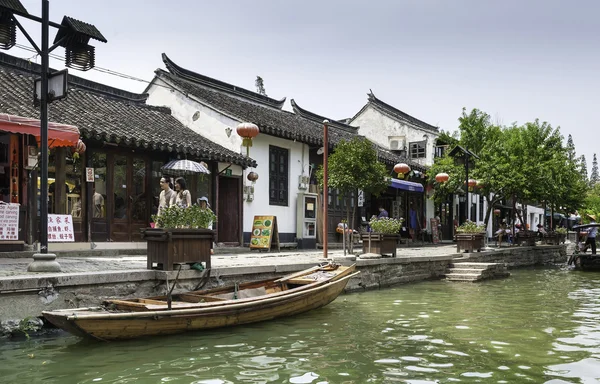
<point x="538" y="326"/>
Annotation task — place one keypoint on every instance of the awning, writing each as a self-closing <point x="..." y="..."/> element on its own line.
<point x="59" y="135"/>
<point x="407" y="185"/>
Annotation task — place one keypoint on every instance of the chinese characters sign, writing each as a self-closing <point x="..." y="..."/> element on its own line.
<point x="60" y="228"/>
<point x="9" y="222"/>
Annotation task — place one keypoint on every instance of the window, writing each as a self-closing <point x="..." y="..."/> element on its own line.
<point x="440" y="150"/>
<point x="278" y="176"/>
<point x="417" y="149"/>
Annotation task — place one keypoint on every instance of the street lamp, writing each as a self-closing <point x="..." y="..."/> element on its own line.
<point x="464" y="157"/>
<point x="73" y="35"/>
<point x="325" y="188"/>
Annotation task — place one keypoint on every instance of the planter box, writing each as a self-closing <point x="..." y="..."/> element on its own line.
<point x="381" y="243"/>
<point x="182" y="246"/>
<point x="469" y="241"/>
<point x="525" y="238"/>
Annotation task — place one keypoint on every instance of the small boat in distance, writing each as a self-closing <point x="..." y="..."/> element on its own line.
<point x="197" y="310"/>
<point x="581" y="260"/>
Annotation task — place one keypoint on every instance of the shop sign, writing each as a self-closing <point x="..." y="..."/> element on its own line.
<point x="60" y="228"/>
<point x="9" y="221"/>
<point x="89" y="175"/>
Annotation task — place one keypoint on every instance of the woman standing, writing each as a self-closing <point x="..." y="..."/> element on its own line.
<point x="182" y="197"/>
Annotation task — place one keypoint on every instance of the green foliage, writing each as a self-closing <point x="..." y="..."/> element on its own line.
<point x="456" y="180"/>
<point x="190" y="217"/>
<point x="561" y="230"/>
<point x="386" y="225"/>
<point x="354" y="165"/>
<point x="470" y="227"/>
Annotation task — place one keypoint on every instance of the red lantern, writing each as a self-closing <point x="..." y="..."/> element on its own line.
<point x="401" y="169"/>
<point x="497" y="212"/>
<point x="252" y="176"/>
<point x="247" y="131"/>
<point x="442" y="177"/>
<point x="80" y="147"/>
<point x="472" y="183"/>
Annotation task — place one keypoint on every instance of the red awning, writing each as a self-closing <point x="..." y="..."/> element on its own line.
<point x="59" y="135"/>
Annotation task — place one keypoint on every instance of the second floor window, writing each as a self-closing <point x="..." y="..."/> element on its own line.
<point x="278" y="176"/>
<point x="417" y="150"/>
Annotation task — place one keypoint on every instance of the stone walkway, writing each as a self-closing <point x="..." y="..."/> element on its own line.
<point x="11" y="267"/>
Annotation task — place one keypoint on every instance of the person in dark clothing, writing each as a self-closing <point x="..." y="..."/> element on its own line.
<point x="382" y="213"/>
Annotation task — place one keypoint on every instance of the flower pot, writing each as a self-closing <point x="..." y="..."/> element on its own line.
<point x="169" y="246"/>
<point x="381" y="243"/>
<point x="469" y="242"/>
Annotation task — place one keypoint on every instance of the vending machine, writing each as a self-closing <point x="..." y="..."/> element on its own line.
<point x="306" y="220"/>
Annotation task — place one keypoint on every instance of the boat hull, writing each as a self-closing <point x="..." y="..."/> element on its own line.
<point x="129" y="325"/>
<point x="586" y="262"/>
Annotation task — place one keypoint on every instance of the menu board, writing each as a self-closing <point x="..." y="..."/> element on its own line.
<point x="264" y="233"/>
<point x="435" y="235"/>
<point x="9" y="221"/>
<point x="60" y="228"/>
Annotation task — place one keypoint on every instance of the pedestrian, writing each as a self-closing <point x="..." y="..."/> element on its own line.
<point x="591" y="235"/>
<point x="204" y="204"/>
<point x="182" y="196"/>
<point x="165" y="199"/>
<point x="382" y="213"/>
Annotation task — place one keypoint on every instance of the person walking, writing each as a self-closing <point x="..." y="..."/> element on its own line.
<point x="591" y="235"/>
<point x="182" y="197"/>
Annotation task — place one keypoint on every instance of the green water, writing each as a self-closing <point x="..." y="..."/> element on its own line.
<point x="538" y="326"/>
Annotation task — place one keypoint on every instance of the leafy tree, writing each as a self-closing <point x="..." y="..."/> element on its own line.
<point x="583" y="168"/>
<point x="571" y="148"/>
<point x="594" y="177"/>
<point x="260" y="86"/>
<point x="353" y="165"/>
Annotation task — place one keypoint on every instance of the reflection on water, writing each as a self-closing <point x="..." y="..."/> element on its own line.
<point x="538" y="326"/>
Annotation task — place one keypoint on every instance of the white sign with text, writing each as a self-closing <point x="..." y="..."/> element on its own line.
<point x="60" y="228"/>
<point x="9" y="222"/>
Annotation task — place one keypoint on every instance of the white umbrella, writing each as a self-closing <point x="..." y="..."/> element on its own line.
<point x="184" y="167"/>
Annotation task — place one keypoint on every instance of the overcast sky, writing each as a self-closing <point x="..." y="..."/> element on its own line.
<point x="515" y="59"/>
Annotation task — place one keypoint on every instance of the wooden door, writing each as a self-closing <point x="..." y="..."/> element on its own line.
<point x="129" y="205"/>
<point x="229" y="210"/>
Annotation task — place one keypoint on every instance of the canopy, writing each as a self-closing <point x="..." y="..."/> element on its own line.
<point x="184" y="167"/>
<point x="59" y="135"/>
<point x="407" y="185"/>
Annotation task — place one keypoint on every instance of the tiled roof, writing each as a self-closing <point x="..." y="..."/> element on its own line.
<point x="108" y="114"/>
<point x="306" y="127"/>
<point x="81" y="27"/>
<point x="395" y="113"/>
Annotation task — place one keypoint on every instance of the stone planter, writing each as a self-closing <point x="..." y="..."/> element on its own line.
<point x="381" y="243"/>
<point x="526" y="238"/>
<point x="551" y="239"/>
<point x="469" y="242"/>
<point x="182" y="246"/>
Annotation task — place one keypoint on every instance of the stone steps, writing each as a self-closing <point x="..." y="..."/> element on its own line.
<point x="472" y="272"/>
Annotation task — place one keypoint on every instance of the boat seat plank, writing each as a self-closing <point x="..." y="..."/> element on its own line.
<point x="192" y="298"/>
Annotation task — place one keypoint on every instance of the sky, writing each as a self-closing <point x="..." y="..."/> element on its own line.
<point x="517" y="60"/>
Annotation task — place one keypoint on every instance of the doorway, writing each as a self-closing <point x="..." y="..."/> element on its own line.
<point x="229" y="220"/>
<point x="129" y="205"/>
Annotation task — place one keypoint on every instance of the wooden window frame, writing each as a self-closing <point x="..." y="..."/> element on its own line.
<point x="279" y="180"/>
<point x="418" y="149"/>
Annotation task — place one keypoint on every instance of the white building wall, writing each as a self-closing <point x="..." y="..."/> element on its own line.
<point x="380" y="128"/>
<point x="298" y="160"/>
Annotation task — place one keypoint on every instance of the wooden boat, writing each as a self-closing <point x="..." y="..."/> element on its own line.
<point x="584" y="261"/>
<point x="196" y="310"/>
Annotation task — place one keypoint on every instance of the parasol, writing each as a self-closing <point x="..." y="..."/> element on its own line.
<point x="184" y="167"/>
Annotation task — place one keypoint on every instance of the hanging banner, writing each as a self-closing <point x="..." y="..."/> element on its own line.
<point x="60" y="228"/>
<point x="9" y="221"/>
<point x="264" y="233"/>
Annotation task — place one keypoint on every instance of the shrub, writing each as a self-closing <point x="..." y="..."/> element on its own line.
<point x="470" y="227"/>
<point x="561" y="230"/>
<point x="386" y="225"/>
<point x="191" y="217"/>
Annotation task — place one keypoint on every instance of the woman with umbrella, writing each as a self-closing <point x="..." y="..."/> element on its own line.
<point x="182" y="197"/>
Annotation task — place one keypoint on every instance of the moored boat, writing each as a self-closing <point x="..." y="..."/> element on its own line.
<point x="581" y="260"/>
<point x="197" y="310"/>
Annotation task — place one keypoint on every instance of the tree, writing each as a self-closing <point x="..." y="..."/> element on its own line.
<point x="594" y="177"/>
<point x="353" y="165"/>
<point x="260" y="86"/>
<point x="583" y="168"/>
<point x="571" y="148"/>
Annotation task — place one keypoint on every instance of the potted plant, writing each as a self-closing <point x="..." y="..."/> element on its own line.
<point x="383" y="237"/>
<point x="182" y="235"/>
<point x="561" y="235"/>
<point x="470" y="236"/>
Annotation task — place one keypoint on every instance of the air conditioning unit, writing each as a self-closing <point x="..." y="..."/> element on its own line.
<point x="303" y="182"/>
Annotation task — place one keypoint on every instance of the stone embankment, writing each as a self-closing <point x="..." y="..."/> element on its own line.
<point x="87" y="281"/>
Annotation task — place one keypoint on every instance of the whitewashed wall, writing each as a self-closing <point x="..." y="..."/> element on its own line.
<point x="380" y="128"/>
<point x="298" y="159"/>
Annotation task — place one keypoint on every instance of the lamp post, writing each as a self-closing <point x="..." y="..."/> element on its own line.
<point x="325" y="188"/>
<point x="73" y="35"/>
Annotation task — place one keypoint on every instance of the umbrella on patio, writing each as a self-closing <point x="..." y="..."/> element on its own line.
<point x="184" y="167"/>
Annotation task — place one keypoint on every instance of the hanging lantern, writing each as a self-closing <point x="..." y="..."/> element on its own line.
<point x="247" y="131"/>
<point x="497" y="212"/>
<point x="442" y="177"/>
<point x="252" y="176"/>
<point x="472" y="183"/>
<point x="401" y="169"/>
<point x="80" y="147"/>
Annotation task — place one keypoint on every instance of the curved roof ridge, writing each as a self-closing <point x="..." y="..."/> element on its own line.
<point x="319" y="119"/>
<point x="220" y="85"/>
<point x="398" y="113"/>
